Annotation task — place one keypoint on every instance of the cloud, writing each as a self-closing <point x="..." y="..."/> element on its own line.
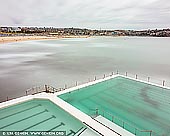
<point x="95" y="14"/>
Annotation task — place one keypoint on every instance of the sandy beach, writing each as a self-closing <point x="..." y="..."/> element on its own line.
<point x="26" y="38"/>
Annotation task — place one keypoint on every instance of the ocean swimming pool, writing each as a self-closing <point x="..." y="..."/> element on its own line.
<point x="39" y="115"/>
<point x="140" y="108"/>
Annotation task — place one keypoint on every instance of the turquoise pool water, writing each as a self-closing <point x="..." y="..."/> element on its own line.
<point x="38" y="115"/>
<point x="138" y="107"/>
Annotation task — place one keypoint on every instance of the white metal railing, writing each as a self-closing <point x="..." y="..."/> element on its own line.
<point x="125" y="125"/>
<point x="148" y="79"/>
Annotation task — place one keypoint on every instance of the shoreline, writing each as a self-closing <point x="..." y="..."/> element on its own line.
<point x="11" y="39"/>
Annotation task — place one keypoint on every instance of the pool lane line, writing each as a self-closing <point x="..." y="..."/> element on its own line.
<point x="55" y="126"/>
<point x="39" y="123"/>
<point x="24" y="118"/>
<point x="61" y="124"/>
<point x="21" y="111"/>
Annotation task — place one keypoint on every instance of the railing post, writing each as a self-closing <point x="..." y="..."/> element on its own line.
<point x="32" y="91"/>
<point x="112" y="118"/>
<point x="95" y="78"/>
<point x="123" y="124"/>
<point x="97" y="112"/>
<point x="46" y="89"/>
<point x="65" y="86"/>
<point x="135" y="131"/>
<point x="36" y="89"/>
<point x="76" y="83"/>
<point x="163" y="83"/>
<point x="148" y="79"/>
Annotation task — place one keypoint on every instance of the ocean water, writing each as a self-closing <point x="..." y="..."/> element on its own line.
<point x="65" y="61"/>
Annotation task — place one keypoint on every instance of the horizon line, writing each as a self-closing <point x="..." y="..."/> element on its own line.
<point x="86" y="28"/>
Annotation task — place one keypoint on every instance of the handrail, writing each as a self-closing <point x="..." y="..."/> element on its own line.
<point x="80" y="131"/>
<point x="93" y="128"/>
<point x="104" y="113"/>
<point x="35" y="89"/>
<point x="40" y="89"/>
<point x="107" y="126"/>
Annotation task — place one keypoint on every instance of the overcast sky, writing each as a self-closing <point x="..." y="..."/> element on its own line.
<point x="95" y="14"/>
